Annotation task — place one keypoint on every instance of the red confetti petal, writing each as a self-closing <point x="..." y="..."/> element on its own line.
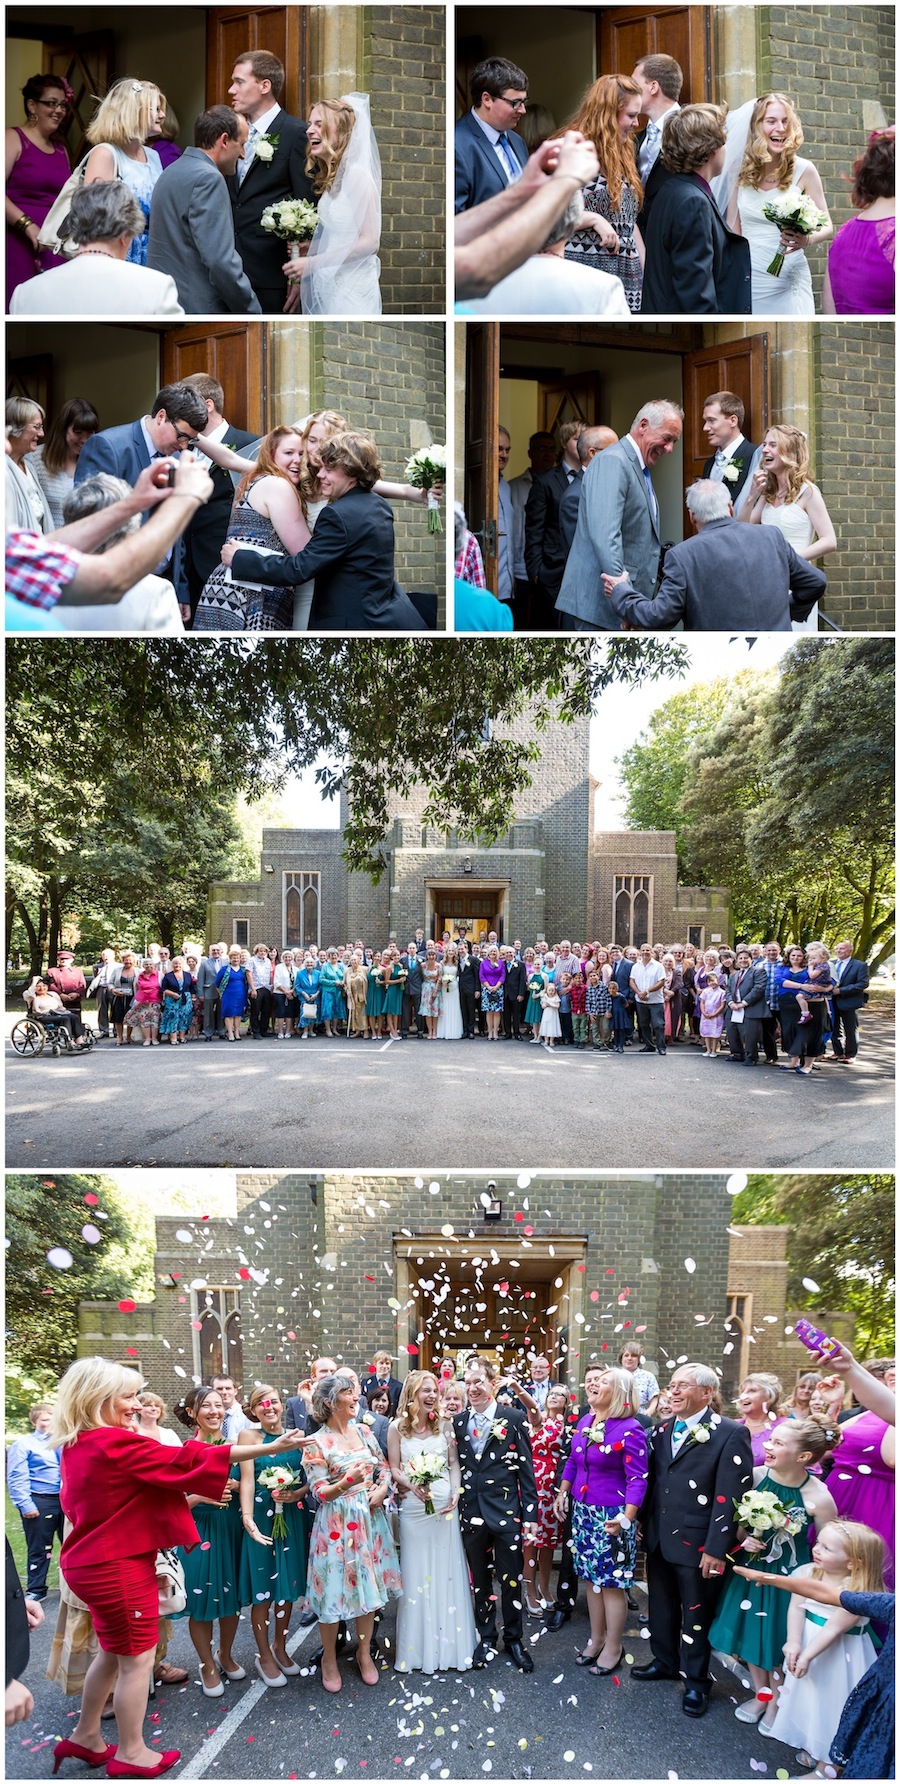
<point x="292" y="1336"/>
<point x="720" y="1499"/>
<point x="90" y="1200"/>
<point x="595" y="1294"/>
<point x="351" y="1526"/>
<point x="412" y="1350"/>
<point x="529" y="1231"/>
<point x="131" y="1352"/>
<point x="204" y="1545"/>
<point x="518" y="1216"/>
<point x="206" y="1217"/>
<point x="244" y="1275"/>
<point x="196" y="1325"/>
<point x="127" y="1306"/>
<point x="581" y="1269"/>
<point x="48" y="1183"/>
<point x="371" y="1365"/>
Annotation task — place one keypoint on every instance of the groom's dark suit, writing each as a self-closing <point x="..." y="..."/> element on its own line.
<point x="742" y="457"/>
<point x="264" y="183"/>
<point x="351" y="558"/>
<point x="689" y="1512"/>
<point x="498" y="1496"/>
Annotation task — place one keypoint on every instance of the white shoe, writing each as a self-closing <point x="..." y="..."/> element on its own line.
<point x="281" y="1680"/>
<point x="212" y="1690"/>
<point x="751" y="1712"/>
<point x="237" y="1672"/>
<point x="762" y="1728"/>
<point x="290" y="1672"/>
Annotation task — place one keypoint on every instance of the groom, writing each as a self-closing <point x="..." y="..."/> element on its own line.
<point x="497" y="1508"/>
<point x="273" y="167"/>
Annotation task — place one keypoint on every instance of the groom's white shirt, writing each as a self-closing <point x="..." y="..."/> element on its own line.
<point x="482" y="1421"/>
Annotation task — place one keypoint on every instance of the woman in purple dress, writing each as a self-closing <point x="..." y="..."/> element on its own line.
<point x="37" y="167"/>
<point x="861" y="1482"/>
<point x="860" y="276"/>
<point x="492" y="973"/>
<point x="606" y="1475"/>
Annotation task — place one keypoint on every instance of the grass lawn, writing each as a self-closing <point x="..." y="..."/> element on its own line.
<point x="17" y="1543"/>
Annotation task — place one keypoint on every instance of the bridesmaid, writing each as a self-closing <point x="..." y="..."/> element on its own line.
<point x="273" y="1568"/>
<point x="375" y="996"/>
<point x="37" y="168"/>
<point x="211" y="1570"/>
<point x="393" y="992"/>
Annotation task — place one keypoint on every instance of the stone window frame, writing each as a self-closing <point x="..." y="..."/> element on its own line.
<point x="626" y="882"/>
<point x="228" y="1297"/>
<point x="240" y="941"/>
<point x="301" y="881"/>
<point x="740" y="1324"/>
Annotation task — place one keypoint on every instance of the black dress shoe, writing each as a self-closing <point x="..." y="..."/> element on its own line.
<point x="555" y="1617"/>
<point x="308" y="1619"/>
<point x="480" y="1656"/>
<point x="646" y="1049"/>
<point x="519" y="1657"/>
<point x="606" y="1672"/>
<point x="695" y="1701"/>
<point x="648" y="1674"/>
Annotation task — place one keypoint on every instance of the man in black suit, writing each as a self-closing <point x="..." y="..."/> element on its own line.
<point x="469" y="990"/>
<point x="205" y="536"/>
<point x="274" y="167"/>
<point x="514" y="994"/>
<point x="497" y="1507"/>
<point x="734" y="459"/>
<point x="734" y="1005"/>
<point x="381" y="1378"/>
<point x="489" y="156"/>
<point x="851" y="979"/>
<point x="757" y="995"/>
<point x="700" y="1464"/>
<point x="351" y="553"/>
<point x="545" y="555"/>
<point x="660" y="80"/>
<point x="412" y="993"/>
<point x="591" y="440"/>
<point x="695" y="264"/>
<point x="621" y="963"/>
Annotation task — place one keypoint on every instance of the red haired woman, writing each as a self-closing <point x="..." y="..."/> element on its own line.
<point x="609" y="239"/>
<point x="269" y="515"/>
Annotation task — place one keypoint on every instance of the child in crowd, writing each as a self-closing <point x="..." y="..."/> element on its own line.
<point x="578" y="1001"/>
<point x="712" y="1016"/>
<point x="550" y="1023"/>
<point x="621" y="1025"/>
<point x="598" y="1005"/>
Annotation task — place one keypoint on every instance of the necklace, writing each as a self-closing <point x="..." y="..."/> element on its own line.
<point x="104" y="252"/>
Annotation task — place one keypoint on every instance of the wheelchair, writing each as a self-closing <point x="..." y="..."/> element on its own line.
<point x="32" y="1034"/>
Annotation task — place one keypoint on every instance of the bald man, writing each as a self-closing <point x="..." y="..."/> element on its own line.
<point x="590" y="441"/>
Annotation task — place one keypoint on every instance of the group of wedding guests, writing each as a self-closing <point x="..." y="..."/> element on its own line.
<point x="178" y="231"/>
<point x="305" y="510"/>
<point x="731" y="1003"/>
<point x="451" y="1493"/>
<point x="673" y="216"/>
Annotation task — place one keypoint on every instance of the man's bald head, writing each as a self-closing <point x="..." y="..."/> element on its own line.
<point x="593" y="440"/>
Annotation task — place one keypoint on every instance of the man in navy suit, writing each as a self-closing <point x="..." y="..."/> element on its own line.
<point x="545" y="555"/>
<point x="695" y="264"/>
<point x="177" y="415"/>
<point x="660" y="80"/>
<point x="851" y="978"/>
<point x="489" y="154"/>
<point x="274" y="171"/>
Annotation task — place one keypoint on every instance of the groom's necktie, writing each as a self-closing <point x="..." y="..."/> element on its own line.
<point x="244" y="165"/>
<point x="478" y="1433"/>
<point x="717" y="473"/>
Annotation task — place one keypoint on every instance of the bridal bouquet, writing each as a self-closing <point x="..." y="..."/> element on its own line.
<point x="423" y="1470"/>
<point x="280" y="1479"/>
<point x="425" y="468"/>
<point x="764" y="1515"/>
<point x="292" y="220"/>
<point x="797" y="214"/>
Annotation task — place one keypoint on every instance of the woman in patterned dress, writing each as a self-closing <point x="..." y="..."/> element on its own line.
<point x="353" y="1566"/>
<point x="606" y="1474"/>
<point x="430" y="1002"/>
<point x="269" y="515"/>
<point x="609" y="239"/>
<point x="546" y="1444"/>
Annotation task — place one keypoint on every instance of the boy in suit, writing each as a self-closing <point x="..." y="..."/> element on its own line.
<point x="489" y="155"/>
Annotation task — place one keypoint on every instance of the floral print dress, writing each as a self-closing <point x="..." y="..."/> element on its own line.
<point x="353" y="1563"/>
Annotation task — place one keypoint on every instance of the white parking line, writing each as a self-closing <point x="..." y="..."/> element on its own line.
<point x="211" y="1748"/>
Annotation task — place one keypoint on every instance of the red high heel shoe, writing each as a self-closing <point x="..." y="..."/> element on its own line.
<point x="117" y="1768"/>
<point x="71" y="1750"/>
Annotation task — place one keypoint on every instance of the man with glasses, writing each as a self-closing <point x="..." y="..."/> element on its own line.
<point x="489" y="154"/>
<point x="177" y="415"/>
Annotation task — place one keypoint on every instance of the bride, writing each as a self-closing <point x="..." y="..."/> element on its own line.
<point x="450" y="1022"/>
<point x="435" y="1621"/>
<point x="339" y="274"/>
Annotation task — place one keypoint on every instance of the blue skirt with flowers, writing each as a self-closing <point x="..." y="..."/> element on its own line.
<point x="595" y="1560"/>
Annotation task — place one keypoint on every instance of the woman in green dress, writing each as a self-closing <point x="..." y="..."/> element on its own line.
<point x="211" y="1571"/>
<point x="756" y="1634"/>
<point x="273" y="1565"/>
<point x="393" y="991"/>
<point x="331" y="991"/>
<point x="375" y="998"/>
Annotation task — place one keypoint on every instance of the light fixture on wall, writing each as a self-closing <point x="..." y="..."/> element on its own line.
<point x="491" y="1204"/>
<point x="467" y="865"/>
<point x="268" y="868"/>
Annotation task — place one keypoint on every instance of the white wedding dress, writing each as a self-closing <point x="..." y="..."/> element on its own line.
<point x="450" y="1022"/>
<point x="435" y="1620"/>
<point x="794" y="522"/>
<point x="342" y="269"/>
<point x="791" y="294"/>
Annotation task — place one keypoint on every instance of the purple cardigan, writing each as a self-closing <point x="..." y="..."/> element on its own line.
<point x="599" y="1475"/>
<point x="492" y="973"/>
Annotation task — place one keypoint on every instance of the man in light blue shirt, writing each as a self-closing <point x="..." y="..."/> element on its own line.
<point x="32" y="1479"/>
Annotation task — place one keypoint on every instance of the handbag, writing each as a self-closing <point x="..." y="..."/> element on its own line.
<point x="48" y="235"/>
<point x="170" y="1583"/>
<point x="309" y="1010"/>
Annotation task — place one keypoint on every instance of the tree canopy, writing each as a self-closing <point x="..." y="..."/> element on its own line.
<point x="779" y="785"/>
<point x="122" y="778"/>
<point x="842" y="1239"/>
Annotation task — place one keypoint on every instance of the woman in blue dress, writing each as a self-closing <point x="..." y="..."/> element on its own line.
<point x="273" y="1559"/>
<point x="131" y="111"/>
<point x="176" y="989"/>
<point x="331" y="988"/>
<point x="231" y="982"/>
<point x="212" y="1569"/>
<point x="307" y="984"/>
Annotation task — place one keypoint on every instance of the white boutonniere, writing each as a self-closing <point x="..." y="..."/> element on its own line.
<point x="499" y="1430"/>
<point x="265" y="146"/>
<point x="699" y="1434"/>
<point x="732" y="471"/>
<point x="366" y="1418"/>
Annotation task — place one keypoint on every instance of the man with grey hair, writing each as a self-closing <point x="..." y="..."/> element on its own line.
<point x="730" y="575"/>
<point x="700" y="1465"/>
<point x="150" y="605"/>
<point x="192" y="222"/>
<point x="618" y="520"/>
<point x="210" y="965"/>
<point x="591" y="440"/>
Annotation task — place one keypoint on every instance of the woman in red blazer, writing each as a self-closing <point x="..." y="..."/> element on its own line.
<point x="125" y="1498"/>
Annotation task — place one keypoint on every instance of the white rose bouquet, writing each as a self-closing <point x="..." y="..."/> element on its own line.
<point x="799" y="215"/>
<point x="425" y="468"/>
<point x="423" y="1470"/>
<point x="769" y="1522"/>
<point x="279" y="1479"/>
<point x="291" y="219"/>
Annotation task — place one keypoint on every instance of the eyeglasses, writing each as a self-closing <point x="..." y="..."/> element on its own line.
<point x="54" y="104"/>
<point x="182" y="438"/>
<point x="515" y="104"/>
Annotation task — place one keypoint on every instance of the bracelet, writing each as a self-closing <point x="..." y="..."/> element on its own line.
<point x="24" y="223"/>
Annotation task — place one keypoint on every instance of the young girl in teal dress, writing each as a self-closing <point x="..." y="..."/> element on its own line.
<point x="536" y="983"/>
<point x="375" y="997"/>
<point x="273" y="1567"/>
<point x="212" y="1569"/>
<point x="751" y="1621"/>
<point x="393" y="992"/>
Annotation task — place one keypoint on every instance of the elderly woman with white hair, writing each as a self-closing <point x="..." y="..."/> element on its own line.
<point x="549" y="285"/>
<point x="151" y="605"/>
<point x="26" y="504"/>
<point x="125" y="1499"/>
<point x="98" y="277"/>
<point x="606" y="1476"/>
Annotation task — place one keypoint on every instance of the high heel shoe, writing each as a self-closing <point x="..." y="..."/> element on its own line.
<point x="117" y="1768"/>
<point x="605" y="1672"/>
<point x="212" y="1690"/>
<point x="70" y="1750"/>
<point x="585" y="1659"/>
<point x="291" y="1671"/>
<point x="236" y="1672"/>
<point x="274" y="1683"/>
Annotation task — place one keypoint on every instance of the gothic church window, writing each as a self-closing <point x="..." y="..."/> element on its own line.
<point x="632" y="909"/>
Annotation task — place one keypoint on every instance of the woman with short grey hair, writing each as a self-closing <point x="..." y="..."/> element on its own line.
<point x="103" y="221"/>
<point x="152" y="604"/>
<point x="26" y="508"/>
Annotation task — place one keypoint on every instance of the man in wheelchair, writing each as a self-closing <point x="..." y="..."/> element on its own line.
<point x="47" y="1006"/>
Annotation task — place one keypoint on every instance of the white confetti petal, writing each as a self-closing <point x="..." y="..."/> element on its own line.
<point x="60" y="1258"/>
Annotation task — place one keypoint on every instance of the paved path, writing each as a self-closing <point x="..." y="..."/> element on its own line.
<point x="357" y="1105"/>
<point x="554" y="1723"/>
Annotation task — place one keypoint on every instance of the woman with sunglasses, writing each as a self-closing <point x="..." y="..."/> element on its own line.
<point x="37" y="168"/>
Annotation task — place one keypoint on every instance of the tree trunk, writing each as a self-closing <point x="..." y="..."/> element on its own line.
<point x="43" y="920"/>
<point x="35" y="942"/>
<point x="54" y="891"/>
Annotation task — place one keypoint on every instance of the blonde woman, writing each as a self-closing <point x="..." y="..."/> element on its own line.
<point x="767" y="135"/>
<point x="357" y="983"/>
<point x="122" y="986"/>
<point x="435" y="1621"/>
<point x="782" y="495"/>
<point x="339" y="273"/>
<point x="231" y="983"/>
<point x="808" y="1043"/>
<point x="131" y="112"/>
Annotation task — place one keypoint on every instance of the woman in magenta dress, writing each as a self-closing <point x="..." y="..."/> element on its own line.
<point x="861" y="1482"/>
<point x="860" y="276"/>
<point x="37" y="168"/>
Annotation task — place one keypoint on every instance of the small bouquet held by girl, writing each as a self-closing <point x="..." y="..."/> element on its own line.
<point x="280" y="1479"/>
<point x="424" y="469"/>
<point x="423" y="1470"/>
<point x="772" y="1526"/>
<point x="798" y="215"/>
<point x="293" y="220"/>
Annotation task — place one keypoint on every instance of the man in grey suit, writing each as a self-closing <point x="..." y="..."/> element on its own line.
<point x="206" y="988"/>
<point x="730" y="574"/>
<point x="192" y="221"/>
<point x="618" y="520"/>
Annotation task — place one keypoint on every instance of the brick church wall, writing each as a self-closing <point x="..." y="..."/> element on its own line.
<point x="854" y="467"/>
<point x="409" y="108"/>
